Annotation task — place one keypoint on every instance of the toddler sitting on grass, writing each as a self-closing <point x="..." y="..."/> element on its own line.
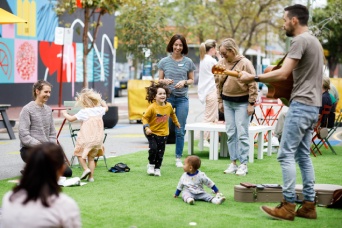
<point x="192" y="181"/>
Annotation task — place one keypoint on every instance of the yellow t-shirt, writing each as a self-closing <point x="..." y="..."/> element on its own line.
<point x="156" y="118"/>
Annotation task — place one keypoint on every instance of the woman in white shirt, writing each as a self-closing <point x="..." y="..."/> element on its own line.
<point x="207" y="93"/>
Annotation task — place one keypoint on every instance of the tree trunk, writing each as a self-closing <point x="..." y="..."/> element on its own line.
<point x="135" y="65"/>
<point x="85" y="73"/>
<point x="85" y="47"/>
<point x="332" y="64"/>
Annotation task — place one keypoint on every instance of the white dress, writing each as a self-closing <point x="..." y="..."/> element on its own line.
<point x="90" y="137"/>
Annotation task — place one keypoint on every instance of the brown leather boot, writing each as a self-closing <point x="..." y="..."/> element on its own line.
<point x="307" y="210"/>
<point x="284" y="211"/>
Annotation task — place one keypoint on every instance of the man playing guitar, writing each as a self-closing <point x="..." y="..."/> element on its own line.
<point x="305" y="62"/>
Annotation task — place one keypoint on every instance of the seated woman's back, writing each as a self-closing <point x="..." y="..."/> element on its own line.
<point x="37" y="201"/>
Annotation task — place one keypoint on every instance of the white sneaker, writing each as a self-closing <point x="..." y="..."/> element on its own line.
<point x="190" y="201"/>
<point x="231" y="169"/>
<point x="179" y="163"/>
<point x="150" y="169"/>
<point x="275" y="141"/>
<point x="91" y="179"/>
<point x="206" y="143"/>
<point x="157" y="173"/>
<point x="85" y="174"/>
<point x="218" y="199"/>
<point x="273" y="149"/>
<point x="242" y="170"/>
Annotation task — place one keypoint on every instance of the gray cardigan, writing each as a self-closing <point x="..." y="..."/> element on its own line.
<point x="36" y="125"/>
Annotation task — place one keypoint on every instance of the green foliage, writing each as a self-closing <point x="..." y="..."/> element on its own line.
<point x="135" y="199"/>
<point x="104" y="6"/>
<point x="248" y="22"/>
<point x="327" y="26"/>
<point x="141" y="25"/>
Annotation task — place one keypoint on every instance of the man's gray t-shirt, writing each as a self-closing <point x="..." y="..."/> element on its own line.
<point x="308" y="74"/>
<point x="178" y="71"/>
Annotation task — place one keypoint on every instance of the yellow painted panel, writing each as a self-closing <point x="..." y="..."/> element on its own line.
<point x="26" y="15"/>
<point x="33" y="19"/>
<point x="20" y="27"/>
<point x="137" y="103"/>
<point x="338" y="84"/>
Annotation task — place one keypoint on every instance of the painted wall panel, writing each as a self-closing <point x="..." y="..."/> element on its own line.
<point x="28" y="53"/>
<point x="6" y="61"/>
<point x="25" y="61"/>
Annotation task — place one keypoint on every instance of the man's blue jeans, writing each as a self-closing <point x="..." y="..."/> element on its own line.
<point x="295" y="147"/>
<point x="237" y="121"/>
<point x="181" y="104"/>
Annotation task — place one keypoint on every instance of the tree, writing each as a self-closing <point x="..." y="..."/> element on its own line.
<point x="327" y="26"/>
<point x="245" y="21"/>
<point x="92" y="10"/>
<point x="141" y="26"/>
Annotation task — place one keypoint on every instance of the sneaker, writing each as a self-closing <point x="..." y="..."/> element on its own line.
<point x="150" y="169"/>
<point x="157" y="173"/>
<point x="190" y="201"/>
<point x="231" y="169"/>
<point x="218" y="199"/>
<point x="85" y="174"/>
<point x="275" y="141"/>
<point x="90" y="179"/>
<point x="273" y="149"/>
<point x="242" y="170"/>
<point x="206" y="143"/>
<point x="179" y="163"/>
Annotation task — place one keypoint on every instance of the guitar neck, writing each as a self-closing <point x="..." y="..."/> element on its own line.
<point x="231" y="73"/>
<point x="217" y="70"/>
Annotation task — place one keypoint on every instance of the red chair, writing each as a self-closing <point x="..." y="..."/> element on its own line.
<point x="320" y="132"/>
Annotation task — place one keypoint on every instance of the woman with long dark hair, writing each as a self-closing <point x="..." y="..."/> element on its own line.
<point x="37" y="200"/>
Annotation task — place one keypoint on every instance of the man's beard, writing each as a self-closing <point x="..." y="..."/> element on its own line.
<point x="289" y="32"/>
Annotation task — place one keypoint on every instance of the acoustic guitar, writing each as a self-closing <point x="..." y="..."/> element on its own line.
<point x="281" y="89"/>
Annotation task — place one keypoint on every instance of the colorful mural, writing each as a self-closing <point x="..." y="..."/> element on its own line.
<point x="25" y="61"/>
<point x="28" y="52"/>
<point x="6" y="61"/>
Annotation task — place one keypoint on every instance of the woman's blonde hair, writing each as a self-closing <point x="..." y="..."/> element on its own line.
<point x="88" y="98"/>
<point x="326" y="82"/>
<point x="230" y="45"/>
<point x="205" y="47"/>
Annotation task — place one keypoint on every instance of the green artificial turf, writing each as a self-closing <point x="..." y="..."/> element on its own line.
<point x="135" y="199"/>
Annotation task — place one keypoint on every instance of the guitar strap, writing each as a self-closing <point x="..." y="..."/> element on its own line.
<point x="227" y="75"/>
<point x="281" y="61"/>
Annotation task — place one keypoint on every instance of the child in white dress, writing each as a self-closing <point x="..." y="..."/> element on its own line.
<point x="89" y="143"/>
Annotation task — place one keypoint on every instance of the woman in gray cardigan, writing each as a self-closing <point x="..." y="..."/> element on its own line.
<point x="36" y="123"/>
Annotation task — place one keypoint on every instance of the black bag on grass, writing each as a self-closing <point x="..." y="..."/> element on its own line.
<point x="119" y="168"/>
<point x="336" y="201"/>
